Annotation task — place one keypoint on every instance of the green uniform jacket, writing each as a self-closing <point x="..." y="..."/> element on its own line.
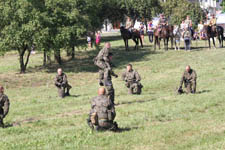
<point x="4" y="105"/>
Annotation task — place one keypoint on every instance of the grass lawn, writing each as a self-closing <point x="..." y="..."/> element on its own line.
<point x="156" y="120"/>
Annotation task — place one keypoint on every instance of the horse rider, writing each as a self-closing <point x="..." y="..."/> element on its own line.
<point x="129" y="25"/>
<point x="162" y="22"/>
<point x="212" y="21"/>
<point x="188" y="22"/>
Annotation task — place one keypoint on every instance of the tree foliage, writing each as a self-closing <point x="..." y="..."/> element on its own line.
<point x="177" y="10"/>
<point x="55" y="25"/>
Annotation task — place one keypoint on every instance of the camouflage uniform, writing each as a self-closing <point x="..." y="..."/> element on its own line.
<point x="132" y="79"/>
<point x="4" y="108"/>
<point x="107" y="82"/>
<point x="102" y="114"/>
<point x="189" y="80"/>
<point x="103" y="62"/>
<point x="62" y="84"/>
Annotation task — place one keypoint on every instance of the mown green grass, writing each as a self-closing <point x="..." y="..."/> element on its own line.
<point x="157" y="120"/>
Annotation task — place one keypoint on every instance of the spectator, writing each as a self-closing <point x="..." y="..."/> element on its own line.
<point x="187" y="39"/>
<point x="150" y="31"/>
<point x="98" y="38"/>
<point x="142" y="31"/>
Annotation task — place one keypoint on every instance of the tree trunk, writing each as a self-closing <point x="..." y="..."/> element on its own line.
<point x="68" y="52"/>
<point x="49" y="59"/>
<point x="23" y="65"/>
<point x="73" y="52"/>
<point x="44" y="58"/>
<point x="58" y="57"/>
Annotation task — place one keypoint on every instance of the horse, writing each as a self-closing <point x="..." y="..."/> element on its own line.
<point x="214" y="31"/>
<point x="177" y="37"/>
<point x="163" y="33"/>
<point x="134" y="35"/>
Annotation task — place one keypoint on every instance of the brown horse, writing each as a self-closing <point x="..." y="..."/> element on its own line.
<point x="212" y="32"/>
<point x="135" y="36"/>
<point x="164" y="33"/>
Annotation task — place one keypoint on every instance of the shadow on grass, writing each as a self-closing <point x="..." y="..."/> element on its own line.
<point x="84" y="60"/>
<point x="8" y="125"/>
<point x="126" y="129"/>
<point x="203" y="91"/>
<point x="132" y="102"/>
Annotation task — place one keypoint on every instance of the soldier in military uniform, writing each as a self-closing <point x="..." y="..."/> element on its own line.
<point x="102" y="113"/>
<point x="107" y="80"/>
<point x="103" y="62"/>
<point x="189" y="78"/>
<point x="4" y="106"/>
<point x="62" y="84"/>
<point x="132" y="79"/>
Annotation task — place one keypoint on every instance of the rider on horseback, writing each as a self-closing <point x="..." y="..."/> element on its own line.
<point x="162" y="22"/>
<point x="129" y="25"/>
<point x="212" y="21"/>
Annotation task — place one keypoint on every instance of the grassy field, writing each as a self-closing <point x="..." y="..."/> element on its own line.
<point x="156" y="120"/>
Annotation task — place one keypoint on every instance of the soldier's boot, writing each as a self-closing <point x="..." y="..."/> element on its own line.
<point x="68" y="91"/>
<point x="1" y="123"/>
<point x="138" y="90"/>
<point x="130" y="91"/>
<point x="90" y="124"/>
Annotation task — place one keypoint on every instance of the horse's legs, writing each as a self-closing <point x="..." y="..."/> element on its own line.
<point x="209" y="43"/>
<point x="171" y="42"/>
<point x="214" y="42"/>
<point x="141" y="42"/>
<point x="137" y="40"/>
<point x="219" y="40"/>
<point x="167" y="43"/>
<point x="159" y="39"/>
<point x="175" y="45"/>
<point x="136" y="43"/>
<point x="125" y="42"/>
<point x="155" y="42"/>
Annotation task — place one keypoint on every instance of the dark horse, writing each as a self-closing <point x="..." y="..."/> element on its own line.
<point x="214" y="31"/>
<point x="135" y="36"/>
<point x="165" y="33"/>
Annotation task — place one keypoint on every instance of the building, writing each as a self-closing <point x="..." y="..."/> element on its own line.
<point x="210" y="5"/>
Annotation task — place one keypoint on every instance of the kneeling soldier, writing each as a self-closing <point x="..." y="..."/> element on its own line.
<point x="189" y="78"/>
<point x="4" y="106"/>
<point x="62" y="84"/>
<point x="102" y="113"/>
<point x="132" y="79"/>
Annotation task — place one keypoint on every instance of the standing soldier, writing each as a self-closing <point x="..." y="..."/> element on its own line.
<point x="189" y="78"/>
<point x="107" y="81"/>
<point x="102" y="113"/>
<point x="4" y="106"/>
<point x="103" y="62"/>
<point x="132" y="79"/>
<point x="62" y="84"/>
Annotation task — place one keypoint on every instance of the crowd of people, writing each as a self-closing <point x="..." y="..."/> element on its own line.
<point x="188" y="33"/>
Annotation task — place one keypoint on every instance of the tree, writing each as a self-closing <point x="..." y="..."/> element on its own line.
<point x="177" y="10"/>
<point x="18" y="27"/>
<point x="223" y="5"/>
